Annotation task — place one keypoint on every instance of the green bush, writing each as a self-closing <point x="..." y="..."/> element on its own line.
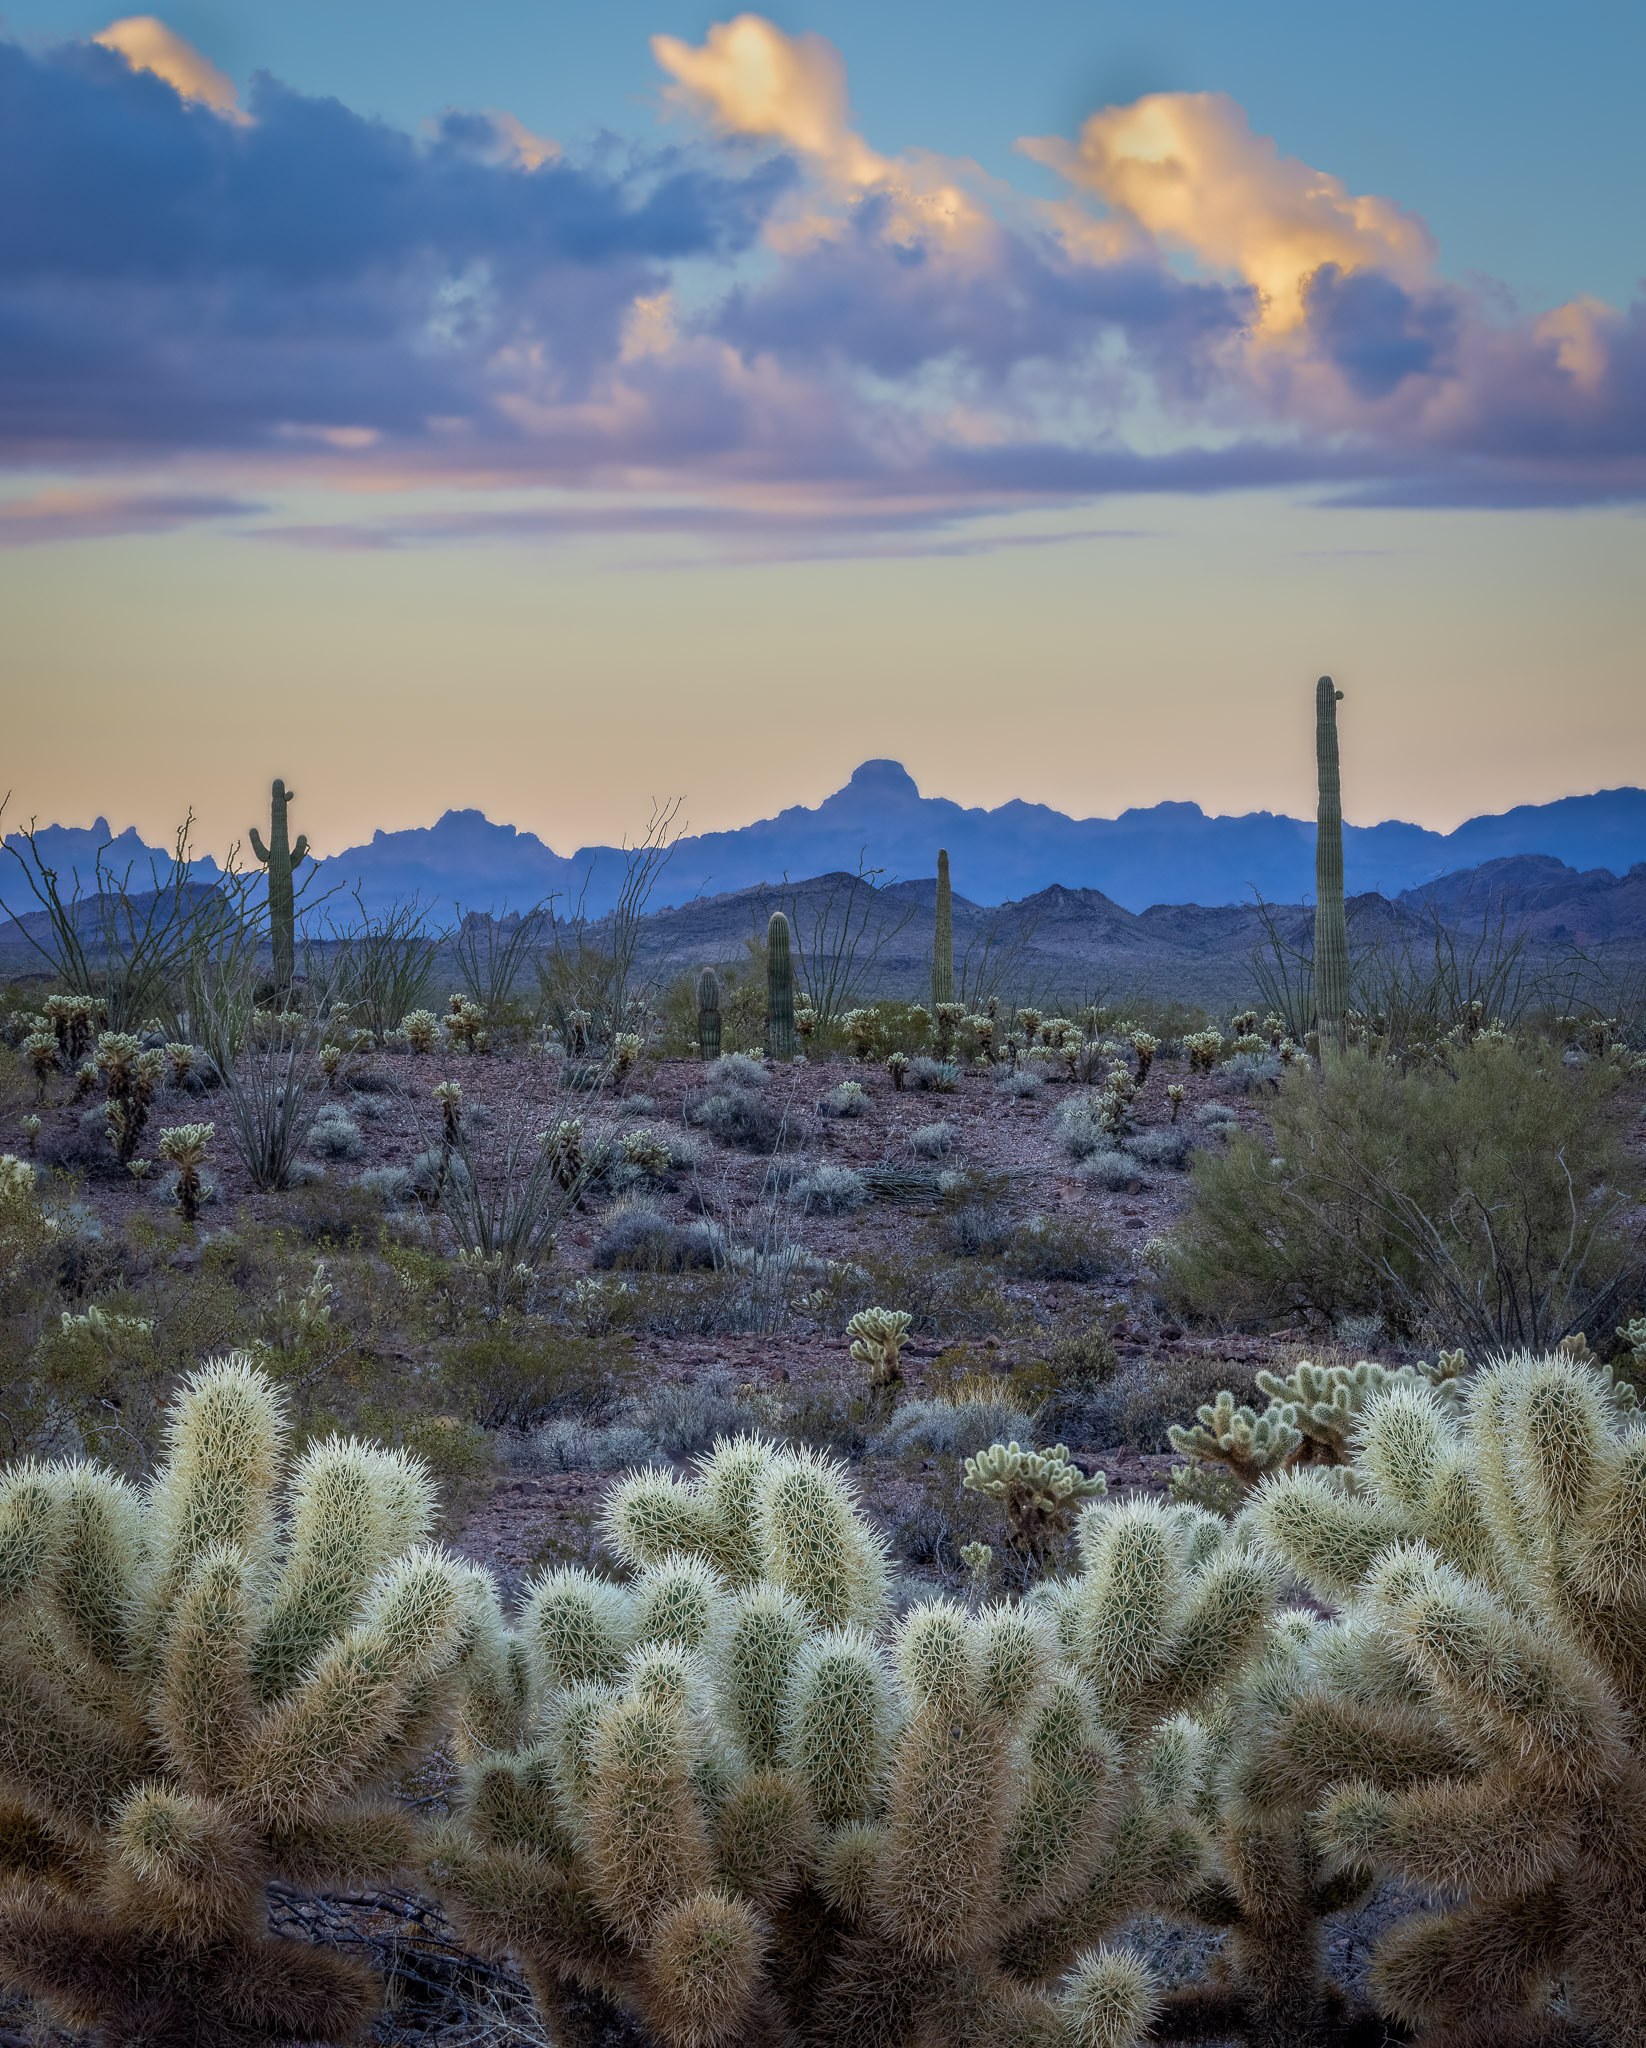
<point x="1480" y="1202"/>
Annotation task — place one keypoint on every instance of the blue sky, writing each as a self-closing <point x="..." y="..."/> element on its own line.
<point x="719" y="402"/>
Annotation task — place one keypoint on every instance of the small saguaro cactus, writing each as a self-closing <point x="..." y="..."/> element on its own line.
<point x="943" y="937"/>
<point x="204" y="1689"/>
<point x="779" y="990"/>
<point x="1331" y="963"/>
<point x="708" y="1015"/>
<point x="280" y="857"/>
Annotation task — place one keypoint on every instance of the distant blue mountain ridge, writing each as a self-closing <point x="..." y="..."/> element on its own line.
<point x="1166" y="853"/>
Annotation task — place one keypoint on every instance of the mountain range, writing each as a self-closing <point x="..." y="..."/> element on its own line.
<point x="1166" y="853"/>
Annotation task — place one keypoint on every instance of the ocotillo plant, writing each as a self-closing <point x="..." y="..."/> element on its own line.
<point x="779" y="990"/>
<point x="194" y="1702"/>
<point x="943" y="937"/>
<point x="708" y="1015"/>
<point x="1331" y="962"/>
<point x="1476" y="1725"/>
<point x="280" y="857"/>
<point x="745" y="1810"/>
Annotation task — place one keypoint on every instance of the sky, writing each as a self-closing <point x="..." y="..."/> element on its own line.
<point x="552" y="409"/>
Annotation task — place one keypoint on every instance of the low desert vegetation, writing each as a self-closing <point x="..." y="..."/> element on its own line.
<point x="1034" y="1567"/>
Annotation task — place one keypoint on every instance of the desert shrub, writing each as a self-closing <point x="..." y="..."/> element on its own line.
<point x="329" y="1212"/>
<point x="635" y="1237"/>
<point x="850" y="1099"/>
<point x="737" y="1116"/>
<point x="736" y="1070"/>
<point x="974" y="1230"/>
<point x="1021" y="1084"/>
<point x="1144" y="1399"/>
<point x="952" y="1429"/>
<point x="686" y="1419"/>
<point x="1250" y="1071"/>
<point x="1080" y="1352"/>
<point x="1217" y="1115"/>
<point x="1060" y="1248"/>
<point x="335" y="1135"/>
<point x="570" y="1445"/>
<point x="1482" y="1202"/>
<point x="1088" y="1124"/>
<point x="517" y="1379"/>
<point x="1165" y="1145"/>
<point x="829" y="1189"/>
<point x="1111" y="1170"/>
<point x="390" y="1185"/>
<point x="632" y="1107"/>
<point x="933" y="1141"/>
<point x="941" y="1077"/>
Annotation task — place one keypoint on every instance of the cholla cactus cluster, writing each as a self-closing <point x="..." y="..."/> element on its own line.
<point x="897" y="1065"/>
<point x="465" y="1025"/>
<point x="862" y="1029"/>
<point x="193" y="1703"/>
<point x="1475" y="1723"/>
<point x="878" y="1336"/>
<point x="448" y="1098"/>
<point x="1040" y="1491"/>
<point x="627" y="1046"/>
<point x="564" y="1145"/>
<point x="185" y="1146"/>
<point x="947" y="1019"/>
<point x="742" y="1810"/>
<point x="646" y="1149"/>
<point x="130" y="1076"/>
<point x="40" y="1050"/>
<point x="1145" y="1045"/>
<point x="421" y="1030"/>
<point x="1204" y="1049"/>
<point x="71" y="1019"/>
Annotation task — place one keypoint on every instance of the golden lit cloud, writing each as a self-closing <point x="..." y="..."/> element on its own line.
<point x="1580" y="333"/>
<point x="1188" y="169"/>
<point x="749" y="78"/>
<point x="148" y="45"/>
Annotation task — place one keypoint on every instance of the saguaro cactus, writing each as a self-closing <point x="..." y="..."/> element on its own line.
<point x="280" y="857"/>
<point x="943" y="938"/>
<point x="779" y="990"/>
<point x="708" y="1014"/>
<point x="1331" y="928"/>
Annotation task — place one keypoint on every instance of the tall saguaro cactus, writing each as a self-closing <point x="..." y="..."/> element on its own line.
<point x="943" y="940"/>
<point x="280" y="857"/>
<point x="708" y="1014"/>
<point x="1331" y="927"/>
<point x="779" y="990"/>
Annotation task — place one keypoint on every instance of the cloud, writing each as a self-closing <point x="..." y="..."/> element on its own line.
<point x="1188" y="170"/>
<point x="67" y="514"/>
<point x="769" y="317"/>
<point x="148" y="45"/>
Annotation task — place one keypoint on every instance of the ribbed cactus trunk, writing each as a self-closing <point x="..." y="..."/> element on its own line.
<point x="943" y="940"/>
<point x="708" y="1014"/>
<point x="779" y="990"/>
<point x="280" y="857"/>
<point x="1331" y="926"/>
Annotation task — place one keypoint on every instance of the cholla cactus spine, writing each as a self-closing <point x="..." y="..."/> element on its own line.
<point x="280" y="857"/>
<point x="708" y="1015"/>
<point x="779" y="990"/>
<point x="943" y="938"/>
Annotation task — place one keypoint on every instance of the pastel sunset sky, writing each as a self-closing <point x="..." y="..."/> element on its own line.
<point x="550" y="407"/>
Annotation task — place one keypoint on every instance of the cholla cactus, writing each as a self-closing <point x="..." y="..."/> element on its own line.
<point x="421" y="1030"/>
<point x="1040" y="1491"/>
<point x="1145" y="1045"/>
<point x="878" y="1336"/>
<point x="130" y="1077"/>
<point x="193" y="1704"/>
<point x="331" y="1062"/>
<point x="564" y="1144"/>
<point x="1477" y="1725"/>
<point x="30" y="1127"/>
<point x="948" y="1018"/>
<point x="805" y="1020"/>
<point x="1028" y="1022"/>
<point x="449" y="1096"/>
<point x="1251" y="1445"/>
<point x="627" y="1046"/>
<point x="71" y="1018"/>
<point x="897" y="1065"/>
<point x="465" y="1025"/>
<point x="741" y="1812"/>
<point x="183" y="1059"/>
<point x="579" y="1028"/>
<point x="1175" y="1095"/>
<point x="647" y="1149"/>
<point x="1205" y="1049"/>
<point x="862" y="1029"/>
<point x="40" y="1049"/>
<point x="185" y="1146"/>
